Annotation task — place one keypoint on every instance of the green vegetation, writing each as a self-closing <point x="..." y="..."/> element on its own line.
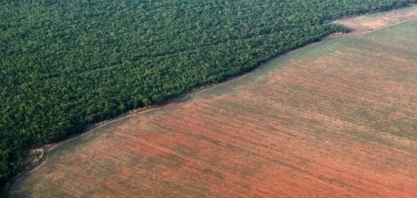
<point x="65" y="65"/>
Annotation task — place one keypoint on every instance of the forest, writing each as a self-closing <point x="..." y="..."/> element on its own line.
<point x="66" y="65"/>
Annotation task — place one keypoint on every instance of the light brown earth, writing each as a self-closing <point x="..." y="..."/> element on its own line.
<point x="378" y="21"/>
<point x="337" y="119"/>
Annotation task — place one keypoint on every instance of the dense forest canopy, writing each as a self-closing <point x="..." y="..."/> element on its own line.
<point x="65" y="65"/>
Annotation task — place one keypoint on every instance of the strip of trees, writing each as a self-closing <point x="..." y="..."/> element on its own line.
<point x="65" y="65"/>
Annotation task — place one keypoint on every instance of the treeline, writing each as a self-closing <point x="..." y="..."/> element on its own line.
<point x="65" y="65"/>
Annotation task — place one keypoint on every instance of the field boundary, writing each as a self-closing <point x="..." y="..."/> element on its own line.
<point x="47" y="150"/>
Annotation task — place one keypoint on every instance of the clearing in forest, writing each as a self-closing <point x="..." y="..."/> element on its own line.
<point x="370" y="22"/>
<point x="338" y="119"/>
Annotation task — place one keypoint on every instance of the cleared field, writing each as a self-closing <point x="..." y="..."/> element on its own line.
<point x="338" y="119"/>
<point x="377" y="21"/>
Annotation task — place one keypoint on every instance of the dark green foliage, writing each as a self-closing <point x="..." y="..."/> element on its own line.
<point x="65" y="65"/>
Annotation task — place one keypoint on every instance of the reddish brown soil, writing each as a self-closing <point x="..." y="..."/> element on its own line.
<point x="341" y="121"/>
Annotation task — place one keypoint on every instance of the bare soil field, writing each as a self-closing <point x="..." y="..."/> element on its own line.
<point x="337" y="119"/>
<point x="377" y="21"/>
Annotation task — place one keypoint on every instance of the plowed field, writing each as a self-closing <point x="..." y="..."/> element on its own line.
<point x="337" y="119"/>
